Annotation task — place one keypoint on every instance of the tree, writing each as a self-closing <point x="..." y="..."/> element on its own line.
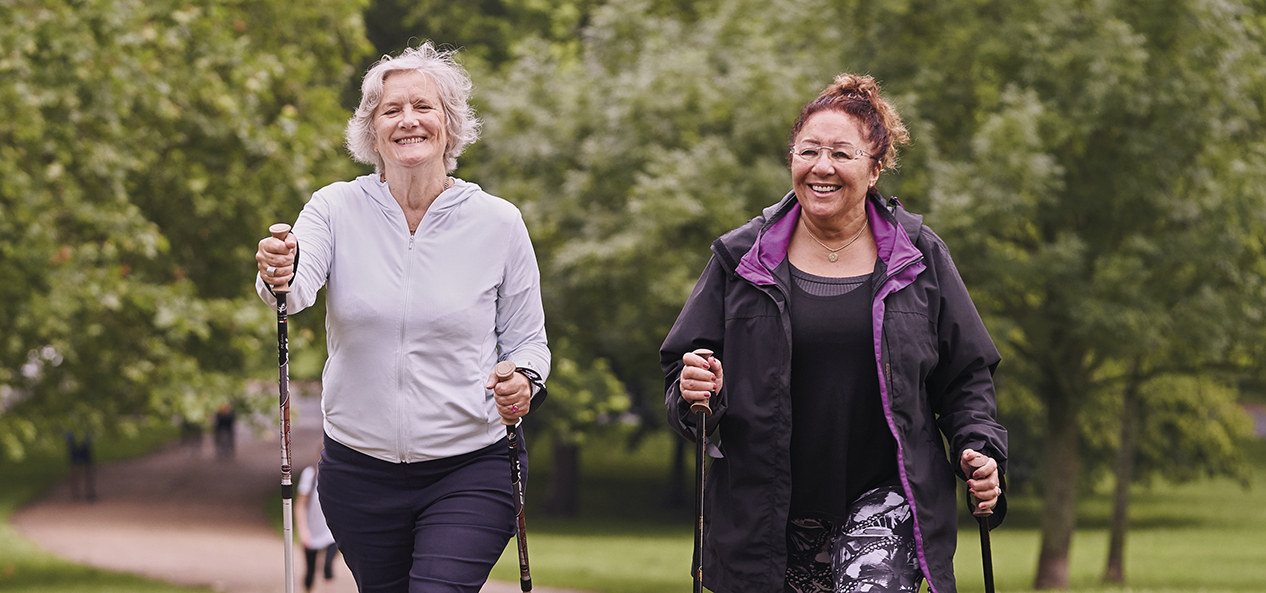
<point x="144" y="146"/>
<point x="628" y="157"/>
<point x="1178" y="428"/>
<point x="1080" y="141"/>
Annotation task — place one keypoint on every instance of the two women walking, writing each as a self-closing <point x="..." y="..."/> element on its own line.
<point x="845" y="348"/>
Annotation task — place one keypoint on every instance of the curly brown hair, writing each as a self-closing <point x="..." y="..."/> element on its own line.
<point x="859" y="97"/>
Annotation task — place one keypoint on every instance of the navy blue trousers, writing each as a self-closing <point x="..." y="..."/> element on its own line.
<point x="426" y="527"/>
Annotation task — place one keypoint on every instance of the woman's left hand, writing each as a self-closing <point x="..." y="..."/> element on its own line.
<point x="513" y="396"/>
<point x="982" y="479"/>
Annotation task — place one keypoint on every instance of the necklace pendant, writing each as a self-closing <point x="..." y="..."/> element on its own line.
<point x="832" y="257"/>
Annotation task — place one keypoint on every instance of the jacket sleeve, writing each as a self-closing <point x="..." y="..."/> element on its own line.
<point x="961" y="386"/>
<point x="701" y="324"/>
<point x="520" y="314"/>
<point x="315" y="235"/>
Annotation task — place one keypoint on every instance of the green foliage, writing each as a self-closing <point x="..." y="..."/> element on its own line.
<point x="143" y="147"/>
<point x="1191" y="428"/>
<point x="489" y="32"/>
<point x="1090" y="166"/>
<point x="579" y="396"/>
<point x="630" y="157"/>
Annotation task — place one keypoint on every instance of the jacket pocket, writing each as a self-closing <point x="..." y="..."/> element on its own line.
<point x="912" y="353"/>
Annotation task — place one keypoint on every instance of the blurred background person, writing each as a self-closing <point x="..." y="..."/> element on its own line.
<point x="225" y="439"/>
<point x="430" y="282"/>
<point x="83" y="473"/>
<point x="851" y="347"/>
<point x="313" y="531"/>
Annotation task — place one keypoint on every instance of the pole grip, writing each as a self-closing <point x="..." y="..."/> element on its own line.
<point x="504" y="370"/>
<point x="975" y="511"/>
<point x="280" y="231"/>
<point x="702" y="407"/>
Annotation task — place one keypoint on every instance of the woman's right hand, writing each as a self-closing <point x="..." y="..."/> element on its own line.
<point x="701" y="378"/>
<point x="276" y="259"/>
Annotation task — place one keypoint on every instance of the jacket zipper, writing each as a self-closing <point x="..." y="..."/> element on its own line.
<point x="401" y="356"/>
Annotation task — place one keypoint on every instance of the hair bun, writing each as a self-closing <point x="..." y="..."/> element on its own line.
<point x="852" y="85"/>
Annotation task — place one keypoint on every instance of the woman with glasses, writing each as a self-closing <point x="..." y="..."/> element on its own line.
<point x="853" y="356"/>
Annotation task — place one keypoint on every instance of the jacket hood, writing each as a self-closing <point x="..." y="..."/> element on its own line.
<point x="377" y="190"/>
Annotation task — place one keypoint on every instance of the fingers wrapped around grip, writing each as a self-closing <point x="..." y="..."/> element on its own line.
<point x="702" y="376"/>
<point x="983" y="481"/>
<point x="512" y="392"/>
<point x="275" y="258"/>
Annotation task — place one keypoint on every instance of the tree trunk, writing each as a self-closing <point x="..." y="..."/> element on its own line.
<point x="562" y="496"/>
<point x="1061" y="473"/>
<point x="1115" y="571"/>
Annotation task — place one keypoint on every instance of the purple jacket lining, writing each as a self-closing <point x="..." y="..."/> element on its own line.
<point x="904" y="262"/>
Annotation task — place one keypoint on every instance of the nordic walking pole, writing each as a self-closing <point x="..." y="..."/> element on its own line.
<point x="504" y="370"/>
<point x="986" y="553"/>
<point x="701" y="410"/>
<point x="280" y="231"/>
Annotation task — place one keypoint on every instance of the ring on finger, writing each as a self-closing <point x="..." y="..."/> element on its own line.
<point x="272" y="270"/>
<point x="514" y="408"/>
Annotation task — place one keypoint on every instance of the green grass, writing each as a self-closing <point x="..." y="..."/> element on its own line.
<point x="1206" y="537"/>
<point x="24" y="568"/>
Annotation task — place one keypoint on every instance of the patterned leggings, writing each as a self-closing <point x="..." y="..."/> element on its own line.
<point x="872" y="551"/>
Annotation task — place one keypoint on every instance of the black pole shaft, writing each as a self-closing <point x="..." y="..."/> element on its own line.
<point x="516" y="484"/>
<point x="701" y="420"/>
<point x="986" y="552"/>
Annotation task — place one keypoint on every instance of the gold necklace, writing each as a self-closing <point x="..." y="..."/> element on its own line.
<point x="832" y="257"/>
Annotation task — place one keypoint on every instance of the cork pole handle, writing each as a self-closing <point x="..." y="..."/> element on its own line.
<point x="703" y="407"/>
<point x="280" y="231"/>
<point x="976" y="511"/>
<point x="504" y="370"/>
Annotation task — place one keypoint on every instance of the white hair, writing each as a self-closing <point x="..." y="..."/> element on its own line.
<point x="453" y="85"/>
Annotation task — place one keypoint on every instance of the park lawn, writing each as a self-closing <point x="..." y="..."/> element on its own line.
<point x="1204" y="537"/>
<point x="24" y="567"/>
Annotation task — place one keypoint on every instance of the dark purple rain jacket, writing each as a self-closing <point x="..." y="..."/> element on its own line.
<point x="935" y="361"/>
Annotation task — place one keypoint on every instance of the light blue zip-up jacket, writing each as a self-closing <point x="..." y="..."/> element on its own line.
<point x="415" y="323"/>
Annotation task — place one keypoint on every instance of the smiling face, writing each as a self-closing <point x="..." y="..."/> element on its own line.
<point x="830" y="192"/>
<point x="409" y="122"/>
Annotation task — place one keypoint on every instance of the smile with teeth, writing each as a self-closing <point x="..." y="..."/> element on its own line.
<point x="411" y="140"/>
<point x="823" y="188"/>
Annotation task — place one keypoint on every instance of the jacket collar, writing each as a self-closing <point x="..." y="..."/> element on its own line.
<point x="891" y="224"/>
<point x="377" y="190"/>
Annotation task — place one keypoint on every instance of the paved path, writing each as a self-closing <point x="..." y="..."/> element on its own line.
<point x="183" y="516"/>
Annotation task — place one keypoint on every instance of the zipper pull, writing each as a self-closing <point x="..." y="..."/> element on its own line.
<point x="888" y="372"/>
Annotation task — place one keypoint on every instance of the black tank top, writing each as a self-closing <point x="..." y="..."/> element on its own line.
<point x="840" y="443"/>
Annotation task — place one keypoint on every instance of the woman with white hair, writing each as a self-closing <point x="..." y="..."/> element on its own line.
<point x="429" y="283"/>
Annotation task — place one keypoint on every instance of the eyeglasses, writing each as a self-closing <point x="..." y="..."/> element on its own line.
<point x="840" y="155"/>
